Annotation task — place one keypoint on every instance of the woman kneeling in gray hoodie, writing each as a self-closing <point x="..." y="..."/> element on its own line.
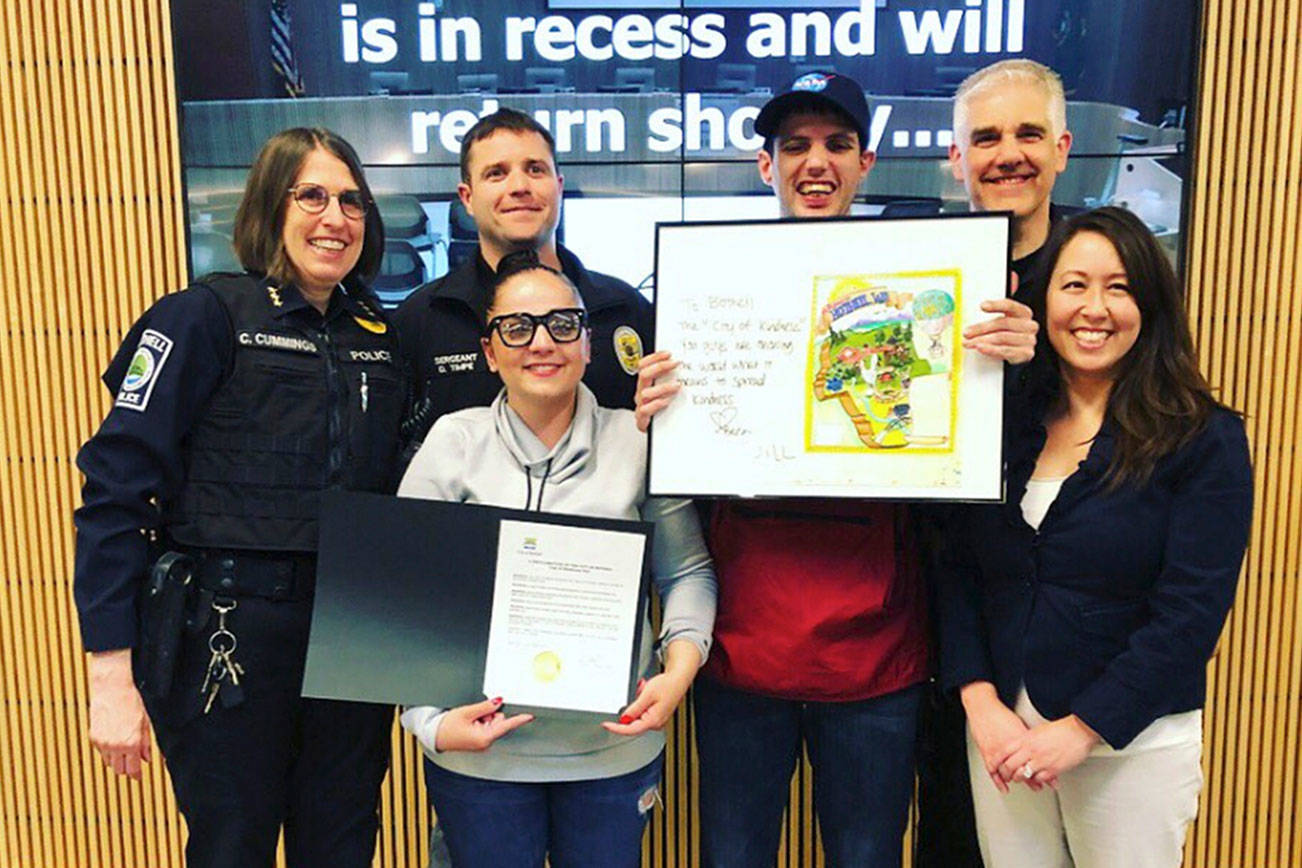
<point x="576" y="792"/>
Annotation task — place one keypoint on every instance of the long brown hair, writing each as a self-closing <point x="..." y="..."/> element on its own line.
<point x="260" y="220"/>
<point x="1160" y="400"/>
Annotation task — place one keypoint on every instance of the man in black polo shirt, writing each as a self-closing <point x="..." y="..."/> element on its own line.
<point x="1010" y="144"/>
<point x="511" y="188"/>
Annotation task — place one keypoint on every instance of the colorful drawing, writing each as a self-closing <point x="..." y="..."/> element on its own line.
<point x="882" y="352"/>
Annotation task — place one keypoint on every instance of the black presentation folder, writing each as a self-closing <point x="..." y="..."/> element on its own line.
<point x="404" y="597"/>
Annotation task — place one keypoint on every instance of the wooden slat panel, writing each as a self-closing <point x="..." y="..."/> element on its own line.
<point x="93" y="232"/>
<point x="1245" y="234"/>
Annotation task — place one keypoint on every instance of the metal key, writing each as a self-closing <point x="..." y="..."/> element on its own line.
<point x="233" y="693"/>
<point x="222" y="665"/>
<point x="212" y="695"/>
<point x="214" y="672"/>
<point x="233" y="669"/>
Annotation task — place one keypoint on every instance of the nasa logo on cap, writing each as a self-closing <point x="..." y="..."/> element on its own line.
<point x="831" y="89"/>
<point x="811" y="83"/>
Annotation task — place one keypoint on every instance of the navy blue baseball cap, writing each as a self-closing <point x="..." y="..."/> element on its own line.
<point x="823" y="89"/>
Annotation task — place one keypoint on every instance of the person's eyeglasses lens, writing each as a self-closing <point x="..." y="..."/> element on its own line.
<point x="516" y="331"/>
<point x="352" y="204"/>
<point x="564" y="326"/>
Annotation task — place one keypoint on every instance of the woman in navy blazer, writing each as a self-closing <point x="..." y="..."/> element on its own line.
<point x="1078" y="617"/>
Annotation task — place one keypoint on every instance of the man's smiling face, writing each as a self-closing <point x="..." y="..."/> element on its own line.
<point x="817" y="165"/>
<point x="513" y="191"/>
<point x="1007" y="153"/>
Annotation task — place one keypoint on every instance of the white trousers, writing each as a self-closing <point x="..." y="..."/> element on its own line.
<point x="1126" y="810"/>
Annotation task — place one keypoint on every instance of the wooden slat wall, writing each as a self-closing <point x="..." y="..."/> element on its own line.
<point x="1247" y="312"/>
<point x="91" y="231"/>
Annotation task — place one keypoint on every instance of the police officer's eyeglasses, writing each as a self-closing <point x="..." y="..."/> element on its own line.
<point x="564" y="324"/>
<point x="313" y="198"/>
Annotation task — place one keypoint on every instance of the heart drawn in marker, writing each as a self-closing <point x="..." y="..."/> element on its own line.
<point x="723" y="418"/>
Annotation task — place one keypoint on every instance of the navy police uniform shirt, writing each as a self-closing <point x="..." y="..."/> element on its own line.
<point x="440" y="324"/>
<point x="169" y="365"/>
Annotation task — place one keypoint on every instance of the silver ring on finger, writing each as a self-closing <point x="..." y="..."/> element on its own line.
<point x="1027" y="771"/>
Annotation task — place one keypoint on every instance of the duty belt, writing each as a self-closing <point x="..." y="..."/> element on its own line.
<point x="236" y="574"/>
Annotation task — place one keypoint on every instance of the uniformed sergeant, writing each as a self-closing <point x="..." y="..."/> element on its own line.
<point x="238" y="401"/>
<point x="512" y="189"/>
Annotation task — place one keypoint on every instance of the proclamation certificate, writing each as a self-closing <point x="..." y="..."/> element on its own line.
<point x="565" y="616"/>
<point x="824" y="358"/>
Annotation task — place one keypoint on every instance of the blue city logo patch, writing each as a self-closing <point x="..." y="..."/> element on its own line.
<point x="811" y="83"/>
<point x="142" y="373"/>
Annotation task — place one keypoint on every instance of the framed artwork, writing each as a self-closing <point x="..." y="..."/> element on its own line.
<point x="824" y="358"/>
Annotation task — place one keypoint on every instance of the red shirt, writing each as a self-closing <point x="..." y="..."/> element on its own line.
<point x="819" y="600"/>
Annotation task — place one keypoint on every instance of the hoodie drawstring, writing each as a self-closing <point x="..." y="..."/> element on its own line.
<point x="542" y="486"/>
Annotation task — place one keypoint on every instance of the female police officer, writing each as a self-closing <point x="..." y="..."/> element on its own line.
<point x="237" y="402"/>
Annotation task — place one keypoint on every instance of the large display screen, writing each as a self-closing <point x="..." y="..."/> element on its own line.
<point x="652" y="103"/>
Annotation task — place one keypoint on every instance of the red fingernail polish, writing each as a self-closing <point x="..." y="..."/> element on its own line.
<point x="497" y="700"/>
<point x="625" y="719"/>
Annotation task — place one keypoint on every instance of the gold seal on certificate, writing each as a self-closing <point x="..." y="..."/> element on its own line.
<point x="546" y="666"/>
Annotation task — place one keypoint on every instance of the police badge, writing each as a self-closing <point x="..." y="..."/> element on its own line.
<point x="628" y="349"/>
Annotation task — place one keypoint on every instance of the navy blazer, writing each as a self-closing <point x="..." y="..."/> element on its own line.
<point x="1113" y="608"/>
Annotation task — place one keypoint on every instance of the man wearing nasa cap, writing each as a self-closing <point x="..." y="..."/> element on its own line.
<point x="820" y="639"/>
<point x="816" y="150"/>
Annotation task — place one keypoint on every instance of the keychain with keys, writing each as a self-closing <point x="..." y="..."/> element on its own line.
<point x="222" y="666"/>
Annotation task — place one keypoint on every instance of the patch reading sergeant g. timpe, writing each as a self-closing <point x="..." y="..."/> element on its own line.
<point x="142" y="373"/>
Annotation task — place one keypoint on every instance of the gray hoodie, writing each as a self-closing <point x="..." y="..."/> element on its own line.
<point x="598" y="468"/>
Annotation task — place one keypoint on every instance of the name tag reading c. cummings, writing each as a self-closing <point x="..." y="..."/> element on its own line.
<point x="269" y="341"/>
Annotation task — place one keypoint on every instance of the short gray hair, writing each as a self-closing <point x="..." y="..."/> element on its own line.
<point x="1016" y="71"/>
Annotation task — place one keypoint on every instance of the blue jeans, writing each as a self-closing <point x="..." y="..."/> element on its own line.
<point x="575" y="824"/>
<point x="862" y="754"/>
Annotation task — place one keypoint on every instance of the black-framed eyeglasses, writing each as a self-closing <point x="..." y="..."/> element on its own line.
<point x="313" y="198"/>
<point x="564" y="324"/>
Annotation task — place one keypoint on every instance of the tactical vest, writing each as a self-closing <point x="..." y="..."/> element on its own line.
<point x="303" y="409"/>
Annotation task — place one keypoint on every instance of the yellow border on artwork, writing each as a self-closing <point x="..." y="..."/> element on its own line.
<point x="955" y="368"/>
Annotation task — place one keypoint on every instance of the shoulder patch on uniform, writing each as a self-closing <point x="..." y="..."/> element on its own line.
<point x="628" y="348"/>
<point x="371" y="325"/>
<point x="151" y="354"/>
